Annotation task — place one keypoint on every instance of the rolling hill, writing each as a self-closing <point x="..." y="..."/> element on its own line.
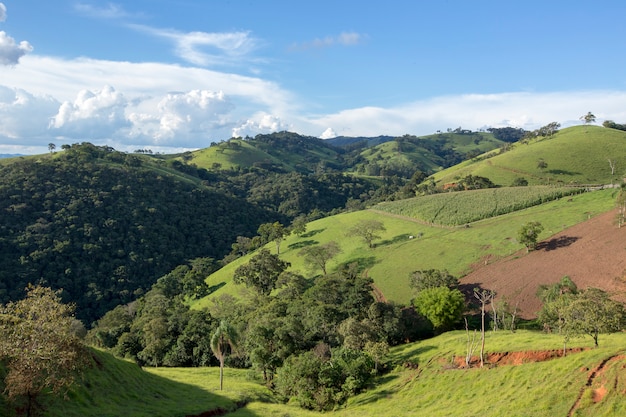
<point x="575" y="155"/>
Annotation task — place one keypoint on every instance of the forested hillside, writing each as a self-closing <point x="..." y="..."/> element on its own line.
<point x="97" y="224"/>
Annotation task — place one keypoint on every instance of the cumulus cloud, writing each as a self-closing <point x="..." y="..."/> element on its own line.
<point x="24" y="116"/>
<point x="97" y="114"/>
<point x="262" y="123"/>
<point x="182" y="118"/>
<point x="10" y="51"/>
<point x="328" y="134"/>
<point x="343" y="39"/>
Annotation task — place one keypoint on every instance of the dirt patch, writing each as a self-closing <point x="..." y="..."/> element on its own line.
<point x="592" y="254"/>
<point x="515" y="358"/>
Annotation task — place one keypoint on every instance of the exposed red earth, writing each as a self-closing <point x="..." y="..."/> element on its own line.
<point x="592" y="254"/>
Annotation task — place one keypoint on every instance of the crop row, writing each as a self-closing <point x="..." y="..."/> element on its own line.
<point x="462" y="207"/>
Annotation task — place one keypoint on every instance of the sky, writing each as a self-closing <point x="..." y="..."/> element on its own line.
<point x="175" y="75"/>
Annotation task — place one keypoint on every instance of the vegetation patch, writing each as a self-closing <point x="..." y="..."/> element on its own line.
<point x="462" y="207"/>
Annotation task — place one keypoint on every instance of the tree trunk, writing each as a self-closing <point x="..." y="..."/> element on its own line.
<point x="221" y="372"/>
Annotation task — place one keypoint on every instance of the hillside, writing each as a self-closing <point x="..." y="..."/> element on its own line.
<point x="103" y="225"/>
<point x="575" y="155"/>
<point x="457" y="249"/>
<point x="592" y="254"/>
<point x="525" y="371"/>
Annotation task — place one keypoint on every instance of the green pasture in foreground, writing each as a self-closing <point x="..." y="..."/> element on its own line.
<point x="575" y="155"/>
<point x="396" y="256"/>
<point x="434" y="388"/>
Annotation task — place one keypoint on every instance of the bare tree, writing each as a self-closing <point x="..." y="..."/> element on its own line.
<point x="484" y="297"/>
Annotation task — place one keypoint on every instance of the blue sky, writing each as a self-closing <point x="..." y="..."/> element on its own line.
<point x="174" y="75"/>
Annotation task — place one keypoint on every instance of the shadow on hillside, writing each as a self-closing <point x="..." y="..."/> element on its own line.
<point x="215" y="287"/>
<point x="562" y="172"/>
<point x="556" y="243"/>
<point x="312" y="233"/>
<point x="362" y="264"/>
<point x="396" y="239"/>
<point x="370" y="397"/>
<point x="409" y="357"/>
<point x="303" y="244"/>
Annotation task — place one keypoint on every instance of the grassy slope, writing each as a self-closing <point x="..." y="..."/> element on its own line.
<point x="574" y="155"/>
<point x="396" y="256"/>
<point x="120" y="388"/>
<point x="434" y="389"/>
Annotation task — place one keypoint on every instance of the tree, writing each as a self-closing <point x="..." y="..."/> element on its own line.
<point x="298" y="225"/>
<point x="592" y="312"/>
<point x="588" y="118"/>
<point x="484" y="297"/>
<point x="366" y="230"/>
<point x="261" y="272"/>
<point x="318" y="256"/>
<point x="528" y="234"/>
<point x="441" y="305"/>
<point x="621" y="206"/>
<point x="275" y="232"/>
<point x="225" y="337"/>
<point x="541" y="164"/>
<point x="51" y="147"/>
<point x="432" y="278"/>
<point x="38" y="346"/>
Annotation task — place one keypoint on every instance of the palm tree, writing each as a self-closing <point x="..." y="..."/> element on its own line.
<point x="224" y="337"/>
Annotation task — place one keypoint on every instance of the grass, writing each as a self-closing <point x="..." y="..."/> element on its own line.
<point x="457" y="208"/>
<point x="434" y="388"/>
<point x="562" y="152"/>
<point x="396" y="256"/>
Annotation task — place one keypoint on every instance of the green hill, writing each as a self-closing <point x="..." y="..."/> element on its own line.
<point x="575" y="155"/>
<point x="520" y="379"/>
<point x="433" y="247"/>
<point x="403" y="155"/>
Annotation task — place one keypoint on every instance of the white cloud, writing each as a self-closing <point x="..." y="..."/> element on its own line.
<point x="261" y="123"/>
<point x="343" y="39"/>
<point x="525" y="110"/>
<point x="223" y="48"/>
<point x="182" y="118"/>
<point x="24" y="117"/>
<point x="3" y="12"/>
<point x="96" y="114"/>
<point x="110" y="11"/>
<point x="11" y="52"/>
<point x="328" y="134"/>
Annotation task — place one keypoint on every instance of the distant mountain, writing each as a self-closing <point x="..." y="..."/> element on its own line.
<point x="9" y="155"/>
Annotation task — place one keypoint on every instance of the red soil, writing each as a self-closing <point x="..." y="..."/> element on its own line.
<point x="592" y="254"/>
<point x="515" y="358"/>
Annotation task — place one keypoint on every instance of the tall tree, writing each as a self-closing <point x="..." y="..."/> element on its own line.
<point x="275" y="232"/>
<point x="484" y="297"/>
<point x="367" y="230"/>
<point x="39" y="347"/>
<point x="224" y="338"/>
<point x="592" y="312"/>
<point x="261" y="272"/>
<point x="318" y="256"/>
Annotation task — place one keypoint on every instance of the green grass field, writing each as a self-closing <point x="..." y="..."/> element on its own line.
<point x="575" y="155"/>
<point x="396" y="256"/>
<point x="435" y="387"/>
